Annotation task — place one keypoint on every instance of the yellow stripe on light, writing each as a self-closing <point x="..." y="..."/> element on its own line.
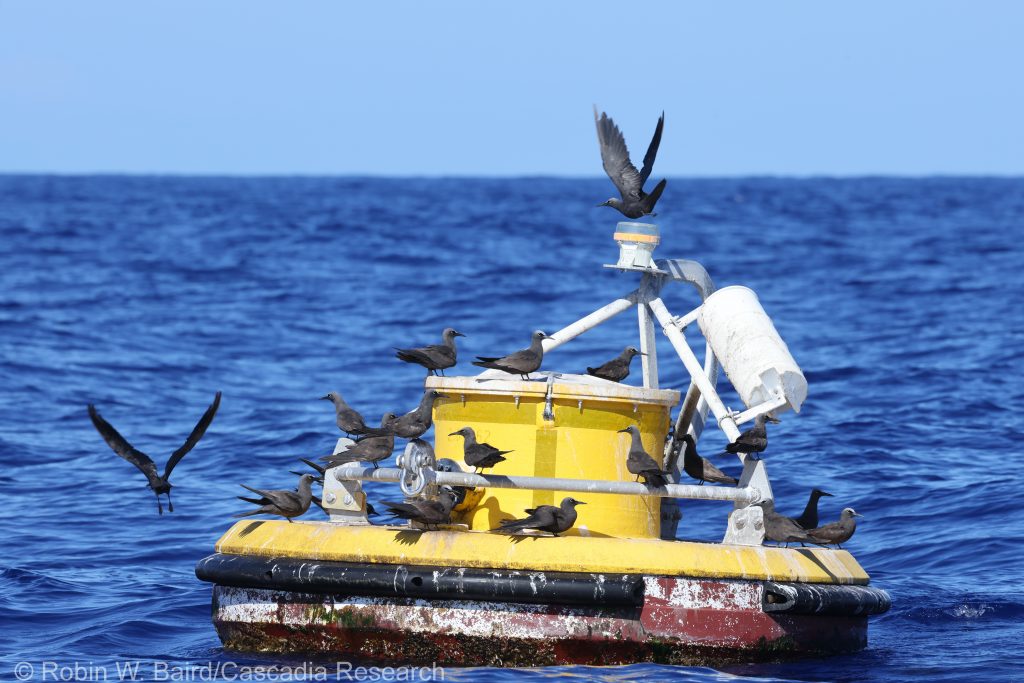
<point x="636" y="237"/>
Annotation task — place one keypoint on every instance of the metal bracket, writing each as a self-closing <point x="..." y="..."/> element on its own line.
<point x="746" y="521"/>
<point x="746" y="526"/>
<point x="344" y="500"/>
<point x="549" y="398"/>
<point x="418" y="466"/>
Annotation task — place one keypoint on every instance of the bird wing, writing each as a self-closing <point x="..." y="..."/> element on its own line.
<point x="193" y="438"/>
<point x="523" y="357"/>
<point x="542" y="516"/>
<point x="121" y="446"/>
<point x="652" y="151"/>
<point x="281" y="499"/>
<point x="615" y="157"/>
<point x="641" y="461"/>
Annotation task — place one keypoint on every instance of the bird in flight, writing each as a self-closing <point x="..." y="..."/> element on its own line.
<point x="120" y="445"/>
<point x="635" y="203"/>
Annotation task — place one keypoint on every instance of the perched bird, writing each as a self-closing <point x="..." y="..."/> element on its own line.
<point x="371" y="449"/>
<point x="782" y="529"/>
<point x="415" y="423"/>
<point x="635" y="203"/>
<point x="555" y="520"/>
<point x="478" y="454"/>
<point x="435" y="357"/>
<point x="120" y="445"/>
<point x="809" y="518"/>
<point x="700" y="468"/>
<point x="521" y="362"/>
<point x="640" y="463"/>
<point x="348" y="420"/>
<point x="753" y="440"/>
<point x="425" y="510"/>
<point x="836" y="533"/>
<point x="286" y="504"/>
<point x="617" y="369"/>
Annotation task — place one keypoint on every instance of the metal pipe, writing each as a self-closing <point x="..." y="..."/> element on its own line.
<point x="695" y="369"/>
<point x="747" y="495"/>
<point x="591" y="321"/>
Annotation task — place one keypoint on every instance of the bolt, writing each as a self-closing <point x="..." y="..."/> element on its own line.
<point x="330" y="498"/>
<point x="348" y="499"/>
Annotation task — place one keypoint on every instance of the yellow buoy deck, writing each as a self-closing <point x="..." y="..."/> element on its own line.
<point x="457" y="548"/>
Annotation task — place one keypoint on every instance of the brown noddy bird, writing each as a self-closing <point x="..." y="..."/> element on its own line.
<point x="836" y="533"/>
<point x="617" y="369"/>
<point x="700" y="468"/>
<point x="370" y="449"/>
<point x="415" y="423"/>
<point x="521" y="362"/>
<point x="635" y="203"/>
<point x="753" y="440"/>
<point x="435" y="357"/>
<point x="283" y="503"/>
<point x="809" y="518"/>
<point x="120" y="445"/>
<point x="346" y="417"/>
<point x="640" y="463"/>
<point x="782" y="529"/>
<point x="425" y="510"/>
<point x="478" y="454"/>
<point x="555" y="520"/>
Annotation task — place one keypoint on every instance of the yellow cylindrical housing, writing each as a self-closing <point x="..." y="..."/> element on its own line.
<point x="581" y="442"/>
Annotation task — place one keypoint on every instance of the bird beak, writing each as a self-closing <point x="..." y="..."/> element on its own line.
<point x="455" y="434"/>
<point x="440" y="395"/>
<point x="325" y="398"/>
<point x="624" y="430"/>
<point x="580" y="502"/>
<point x="603" y="204"/>
<point x="640" y="353"/>
<point x="458" y="334"/>
<point x="773" y="420"/>
<point x="857" y="514"/>
<point x="825" y="493"/>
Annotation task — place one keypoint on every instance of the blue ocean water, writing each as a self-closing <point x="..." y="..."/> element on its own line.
<point x="900" y="298"/>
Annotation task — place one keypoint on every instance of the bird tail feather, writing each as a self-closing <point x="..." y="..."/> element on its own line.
<point x="650" y="200"/>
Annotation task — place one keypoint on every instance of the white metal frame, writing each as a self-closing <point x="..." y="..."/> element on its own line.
<point x="417" y="472"/>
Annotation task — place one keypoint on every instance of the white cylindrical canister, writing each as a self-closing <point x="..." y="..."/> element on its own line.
<point x="749" y="348"/>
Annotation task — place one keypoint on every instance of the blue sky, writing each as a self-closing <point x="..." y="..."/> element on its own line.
<point x="467" y="88"/>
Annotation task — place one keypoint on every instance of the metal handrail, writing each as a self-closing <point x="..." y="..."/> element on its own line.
<point x="427" y="476"/>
